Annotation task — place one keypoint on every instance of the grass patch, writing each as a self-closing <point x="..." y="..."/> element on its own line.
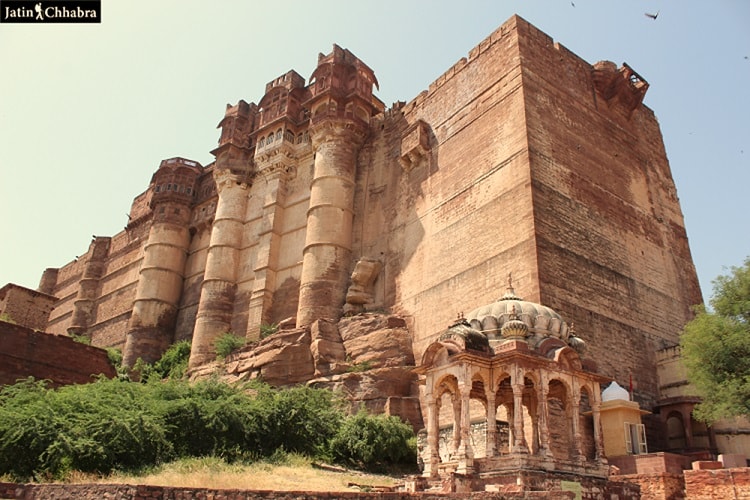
<point x="282" y="472"/>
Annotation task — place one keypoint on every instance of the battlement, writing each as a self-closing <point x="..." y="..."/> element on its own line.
<point x="179" y="161"/>
<point x="289" y="80"/>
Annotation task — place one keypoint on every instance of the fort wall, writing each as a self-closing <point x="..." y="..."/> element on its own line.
<point x="521" y="158"/>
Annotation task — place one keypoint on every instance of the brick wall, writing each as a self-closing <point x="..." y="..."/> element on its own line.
<point x="129" y="492"/>
<point x="713" y="484"/>
<point x="26" y="307"/>
<point x="24" y="353"/>
<point x="663" y="486"/>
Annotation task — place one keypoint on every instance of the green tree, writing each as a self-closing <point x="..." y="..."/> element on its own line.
<point x="716" y="348"/>
<point x="374" y="442"/>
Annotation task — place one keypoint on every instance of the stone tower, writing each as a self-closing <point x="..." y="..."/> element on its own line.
<point x="340" y="105"/>
<point x="152" y="323"/>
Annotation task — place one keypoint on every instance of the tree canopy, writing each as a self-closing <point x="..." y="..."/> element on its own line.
<point x="716" y="348"/>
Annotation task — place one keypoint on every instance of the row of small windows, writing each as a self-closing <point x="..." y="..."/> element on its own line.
<point x="288" y="136"/>
<point x="176" y="188"/>
<point x="173" y="187"/>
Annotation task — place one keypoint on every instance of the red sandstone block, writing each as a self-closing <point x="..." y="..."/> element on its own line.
<point x="707" y="465"/>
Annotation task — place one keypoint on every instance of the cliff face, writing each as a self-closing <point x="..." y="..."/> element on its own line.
<point x="522" y="158"/>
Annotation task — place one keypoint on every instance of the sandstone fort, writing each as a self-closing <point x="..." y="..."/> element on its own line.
<point x="510" y="236"/>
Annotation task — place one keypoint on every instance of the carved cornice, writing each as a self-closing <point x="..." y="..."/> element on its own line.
<point x="277" y="161"/>
<point x="225" y="178"/>
<point x="338" y="129"/>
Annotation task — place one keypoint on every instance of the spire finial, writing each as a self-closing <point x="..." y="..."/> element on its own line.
<point x="510" y="294"/>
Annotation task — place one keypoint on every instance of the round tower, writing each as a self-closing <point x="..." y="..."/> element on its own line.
<point x="151" y="326"/>
<point x="85" y="304"/>
<point x="340" y="107"/>
<point x="232" y="170"/>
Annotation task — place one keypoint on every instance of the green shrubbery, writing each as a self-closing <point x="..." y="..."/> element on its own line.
<point x="228" y="342"/>
<point x="120" y="425"/>
<point x="374" y="442"/>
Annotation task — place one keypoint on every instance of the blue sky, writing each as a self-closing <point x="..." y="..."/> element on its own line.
<point x="87" y="112"/>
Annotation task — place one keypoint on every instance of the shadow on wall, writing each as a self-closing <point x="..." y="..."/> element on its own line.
<point x="391" y="190"/>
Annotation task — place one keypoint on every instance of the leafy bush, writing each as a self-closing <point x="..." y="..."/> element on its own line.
<point x="114" y="355"/>
<point x="300" y="420"/>
<point x="226" y="343"/>
<point x="209" y="418"/>
<point x="374" y="442"/>
<point x="113" y="424"/>
<point x="174" y="362"/>
<point x="44" y="434"/>
<point x="81" y="339"/>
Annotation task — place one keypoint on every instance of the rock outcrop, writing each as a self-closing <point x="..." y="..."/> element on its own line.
<point x="368" y="358"/>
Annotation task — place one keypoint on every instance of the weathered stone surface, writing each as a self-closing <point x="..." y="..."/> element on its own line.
<point x="283" y="358"/>
<point x="713" y="484"/>
<point x="376" y="340"/>
<point x="388" y="390"/>
<point x="327" y="349"/>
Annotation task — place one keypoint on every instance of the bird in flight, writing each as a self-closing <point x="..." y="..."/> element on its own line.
<point x="652" y="16"/>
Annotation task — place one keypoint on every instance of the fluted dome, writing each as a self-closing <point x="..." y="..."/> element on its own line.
<point x="540" y="320"/>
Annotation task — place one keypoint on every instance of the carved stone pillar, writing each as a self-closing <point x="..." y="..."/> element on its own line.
<point x="544" y="417"/>
<point x="456" y="406"/>
<point x="596" y="413"/>
<point x="433" y="438"/>
<point x="575" y="419"/>
<point x="687" y="419"/>
<point x="328" y="241"/>
<point x="519" y="440"/>
<point x="491" y="445"/>
<point x="216" y="306"/>
<point x="465" y="451"/>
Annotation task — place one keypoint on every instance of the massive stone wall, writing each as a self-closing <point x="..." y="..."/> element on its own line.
<point x="612" y="248"/>
<point x="460" y="218"/>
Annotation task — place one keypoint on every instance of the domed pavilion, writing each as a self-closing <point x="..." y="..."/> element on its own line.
<point x="507" y="391"/>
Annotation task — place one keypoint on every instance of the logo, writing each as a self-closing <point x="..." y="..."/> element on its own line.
<point x="50" y="11"/>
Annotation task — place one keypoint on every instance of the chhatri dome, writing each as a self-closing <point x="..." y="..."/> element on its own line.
<point x="512" y="318"/>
